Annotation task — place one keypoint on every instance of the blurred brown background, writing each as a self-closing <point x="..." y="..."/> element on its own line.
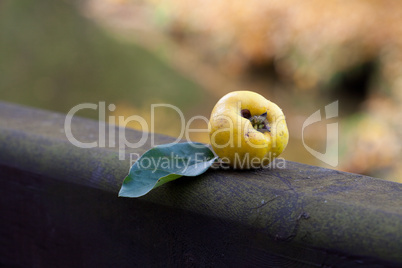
<point x="301" y="55"/>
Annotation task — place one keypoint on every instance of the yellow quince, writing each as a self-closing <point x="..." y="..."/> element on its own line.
<point x="246" y="130"/>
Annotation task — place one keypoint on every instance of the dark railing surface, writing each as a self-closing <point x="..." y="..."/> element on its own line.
<point x="59" y="208"/>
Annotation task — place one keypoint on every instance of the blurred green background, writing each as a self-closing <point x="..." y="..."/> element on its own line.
<point x="303" y="56"/>
<point x="53" y="58"/>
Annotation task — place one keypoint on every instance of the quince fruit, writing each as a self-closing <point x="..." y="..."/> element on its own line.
<point x="246" y="130"/>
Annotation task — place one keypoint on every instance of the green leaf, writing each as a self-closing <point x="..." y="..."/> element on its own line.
<point x="165" y="163"/>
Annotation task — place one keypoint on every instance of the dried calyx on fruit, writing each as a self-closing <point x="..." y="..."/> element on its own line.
<point x="259" y="122"/>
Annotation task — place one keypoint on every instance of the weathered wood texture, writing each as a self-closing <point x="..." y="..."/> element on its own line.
<point x="59" y="208"/>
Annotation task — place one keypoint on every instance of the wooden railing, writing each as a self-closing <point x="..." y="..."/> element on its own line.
<point x="59" y="208"/>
